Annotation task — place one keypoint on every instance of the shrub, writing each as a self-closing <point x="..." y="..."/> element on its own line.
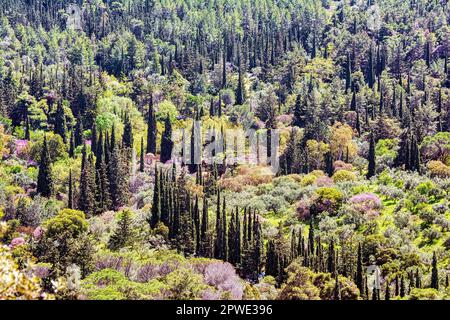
<point x="438" y="169"/>
<point x="366" y="203"/>
<point x="326" y="199"/>
<point x="343" y="175"/>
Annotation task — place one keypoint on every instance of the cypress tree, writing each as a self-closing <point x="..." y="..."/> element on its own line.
<point x="434" y="273"/>
<point x="370" y="75"/>
<point x="337" y="288"/>
<point x="70" y="203"/>
<point x="331" y="262"/>
<point x="353" y="101"/>
<point x="60" y="122"/>
<point x="45" y="180"/>
<point x="402" y="287"/>
<point x="27" y="129"/>
<point x="72" y="145"/>
<point x="311" y="237"/>
<point x="240" y="90"/>
<point x="118" y="174"/>
<point x="79" y="132"/>
<point x="151" y="128"/>
<point x="387" y="294"/>
<point x="156" y="206"/>
<point x="166" y="142"/>
<point x="371" y="158"/>
<point x="359" y="271"/>
<point x="127" y="138"/>
<point x="141" y="162"/>
<point x="86" y="200"/>
<point x="299" y="113"/>
<point x="348" y="73"/>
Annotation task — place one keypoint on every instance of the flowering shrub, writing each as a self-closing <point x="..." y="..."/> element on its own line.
<point x="16" y="242"/>
<point x="326" y="199"/>
<point x="366" y="203"/>
<point x="222" y="276"/>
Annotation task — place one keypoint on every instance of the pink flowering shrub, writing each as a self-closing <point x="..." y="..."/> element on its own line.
<point x="37" y="233"/>
<point x="366" y="203"/>
<point x="222" y="276"/>
<point x="16" y="242"/>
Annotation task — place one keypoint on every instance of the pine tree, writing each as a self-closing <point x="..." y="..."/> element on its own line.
<point x="166" y="142"/>
<point x="45" y="180"/>
<point x="124" y="234"/>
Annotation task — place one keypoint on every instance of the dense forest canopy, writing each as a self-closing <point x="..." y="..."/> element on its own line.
<point x="351" y="97"/>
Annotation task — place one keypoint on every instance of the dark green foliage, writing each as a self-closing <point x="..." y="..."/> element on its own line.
<point x="166" y="142"/>
<point x="371" y="158"/>
<point x="151" y="128"/>
<point x="434" y="273"/>
<point x="45" y="185"/>
<point x="124" y="234"/>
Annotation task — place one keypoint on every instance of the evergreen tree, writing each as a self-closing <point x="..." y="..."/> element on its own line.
<point x="45" y="185"/>
<point x="151" y="128"/>
<point x="124" y="233"/>
<point x="70" y="201"/>
<point x="166" y="142"/>
<point x="60" y="122"/>
<point x="359" y="279"/>
<point x="434" y="273"/>
<point x="156" y="205"/>
<point x="371" y="158"/>
<point x="141" y="162"/>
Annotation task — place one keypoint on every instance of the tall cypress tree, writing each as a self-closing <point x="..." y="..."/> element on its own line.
<point x="60" y="122"/>
<point x="434" y="273"/>
<point x="70" y="198"/>
<point x="156" y="206"/>
<point x="166" y="142"/>
<point x="141" y="162"/>
<point x="371" y="158"/>
<point x="359" y="279"/>
<point x="45" y="185"/>
<point x="127" y="138"/>
<point x="151" y="128"/>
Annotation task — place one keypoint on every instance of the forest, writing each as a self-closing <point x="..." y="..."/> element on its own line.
<point x="121" y="175"/>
